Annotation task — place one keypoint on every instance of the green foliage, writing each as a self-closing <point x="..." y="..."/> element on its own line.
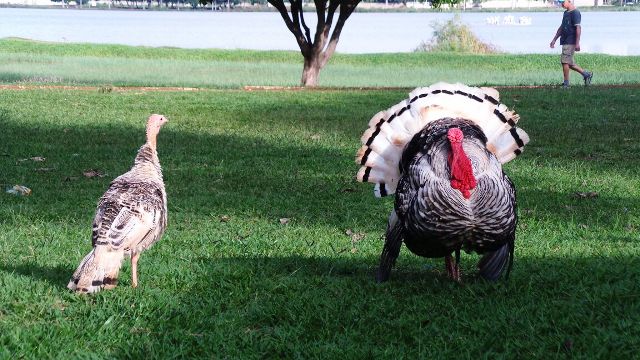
<point x="228" y="280"/>
<point x="438" y="3"/>
<point x="455" y="36"/>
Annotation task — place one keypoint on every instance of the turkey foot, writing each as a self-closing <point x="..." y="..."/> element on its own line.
<point x="453" y="268"/>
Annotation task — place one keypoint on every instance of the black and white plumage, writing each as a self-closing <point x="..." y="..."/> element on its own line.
<point x="440" y="151"/>
<point x="130" y="217"/>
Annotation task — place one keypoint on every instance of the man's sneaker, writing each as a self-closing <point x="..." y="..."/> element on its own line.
<point x="587" y="78"/>
<point x="565" y="86"/>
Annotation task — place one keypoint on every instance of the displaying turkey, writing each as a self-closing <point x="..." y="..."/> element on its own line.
<point x="440" y="151"/>
<point x="131" y="216"/>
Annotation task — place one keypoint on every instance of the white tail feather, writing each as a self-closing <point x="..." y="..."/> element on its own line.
<point x="96" y="270"/>
<point x="510" y="144"/>
<point x="390" y="130"/>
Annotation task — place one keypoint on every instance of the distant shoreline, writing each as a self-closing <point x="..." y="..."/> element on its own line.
<point x="362" y="8"/>
<point x="514" y="32"/>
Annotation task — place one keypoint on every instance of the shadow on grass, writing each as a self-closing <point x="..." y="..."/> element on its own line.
<point x="214" y="175"/>
<point x="294" y="306"/>
<point x="278" y="306"/>
<point x="56" y="276"/>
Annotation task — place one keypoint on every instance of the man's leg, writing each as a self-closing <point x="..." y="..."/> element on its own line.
<point x="577" y="68"/>
<point x="586" y="75"/>
<point x="567" y="62"/>
<point x="565" y="72"/>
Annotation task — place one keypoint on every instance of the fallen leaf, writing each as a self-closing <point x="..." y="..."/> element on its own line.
<point x="224" y="218"/>
<point x="19" y="190"/>
<point x="284" y="221"/>
<point x="93" y="173"/>
<point x="357" y="237"/>
<point x="354" y="236"/>
<point x="44" y="169"/>
<point x="348" y="190"/>
<point x="35" y="158"/>
<point x="71" y="178"/>
<point x="315" y="137"/>
<point x="59" y="304"/>
<point x="586" y="195"/>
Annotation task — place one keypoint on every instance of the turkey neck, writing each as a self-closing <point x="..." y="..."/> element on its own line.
<point x="147" y="155"/>
<point x="152" y="134"/>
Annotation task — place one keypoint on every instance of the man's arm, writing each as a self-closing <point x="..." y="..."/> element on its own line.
<point x="576" y="19"/>
<point x="553" y="42"/>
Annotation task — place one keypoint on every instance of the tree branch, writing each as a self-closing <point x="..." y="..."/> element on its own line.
<point x="307" y="32"/>
<point x="346" y="9"/>
<point x="305" y="46"/>
<point x="295" y="11"/>
<point x="321" y="7"/>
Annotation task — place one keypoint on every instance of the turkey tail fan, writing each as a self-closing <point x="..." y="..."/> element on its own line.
<point x="510" y="144"/>
<point x="390" y="130"/>
<point x="99" y="269"/>
<point x="493" y="264"/>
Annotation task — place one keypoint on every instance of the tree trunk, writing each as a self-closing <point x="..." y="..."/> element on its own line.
<point x="310" y="71"/>
<point x="316" y="50"/>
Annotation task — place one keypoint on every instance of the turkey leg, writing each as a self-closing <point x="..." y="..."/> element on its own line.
<point x="134" y="269"/>
<point x="453" y="266"/>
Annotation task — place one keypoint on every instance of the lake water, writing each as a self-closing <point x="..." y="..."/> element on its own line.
<point x="616" y="33"/>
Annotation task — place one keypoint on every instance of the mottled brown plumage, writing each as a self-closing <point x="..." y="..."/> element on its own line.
<point x="130" y="217"/>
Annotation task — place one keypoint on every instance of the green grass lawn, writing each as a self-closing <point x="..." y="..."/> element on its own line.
<point x="251" y="287"/>
<point x="28" y="62"/>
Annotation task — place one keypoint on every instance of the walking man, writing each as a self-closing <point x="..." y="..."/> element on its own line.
<point x="569" y="34"/>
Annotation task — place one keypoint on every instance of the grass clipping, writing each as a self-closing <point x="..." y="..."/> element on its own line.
<point x="455" y="36"/>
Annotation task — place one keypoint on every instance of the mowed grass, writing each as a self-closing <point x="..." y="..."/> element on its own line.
<point x="28" y="62"/>
<point x="229" y="280"/>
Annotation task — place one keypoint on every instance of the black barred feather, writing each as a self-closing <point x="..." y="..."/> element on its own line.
<point x="390" y="131"/>
<point x="431" y="217"/>
<point x="391" y="248"/>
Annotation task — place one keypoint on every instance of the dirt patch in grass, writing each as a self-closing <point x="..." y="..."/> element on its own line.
<point x="268" y="88"/>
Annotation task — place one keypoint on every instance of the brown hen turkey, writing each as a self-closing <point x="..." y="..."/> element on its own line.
<point x="441" y="152"/>
<point x="131" y="216"/>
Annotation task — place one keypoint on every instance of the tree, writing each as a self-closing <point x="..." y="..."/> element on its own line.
<point x="317" y="50"/>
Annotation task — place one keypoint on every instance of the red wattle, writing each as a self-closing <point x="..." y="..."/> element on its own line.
<point x="461" y="172"/>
